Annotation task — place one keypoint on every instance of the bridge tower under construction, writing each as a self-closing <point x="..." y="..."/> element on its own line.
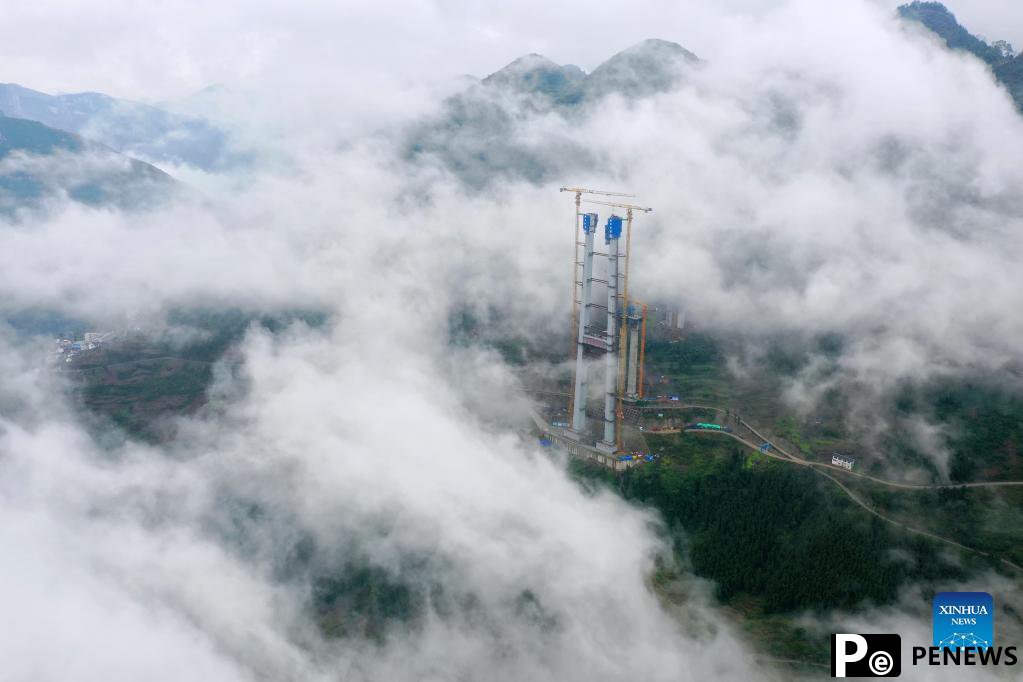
<point x="621" y="338"/>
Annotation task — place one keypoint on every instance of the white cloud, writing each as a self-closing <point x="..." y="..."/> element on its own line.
<point x="824" y="172"/>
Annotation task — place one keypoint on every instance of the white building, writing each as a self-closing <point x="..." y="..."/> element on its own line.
<point x="675" y="318"/>
<point x="842" y="461"/>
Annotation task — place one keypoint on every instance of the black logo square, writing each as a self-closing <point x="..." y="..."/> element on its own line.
<point x="876" y="655"/>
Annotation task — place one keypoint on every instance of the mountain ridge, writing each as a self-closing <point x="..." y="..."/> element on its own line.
<point x="39" y="163"/>
<point x="476" y="136"/>
<point x="1005" y="64"/>
<point x="642" y="69"/>
<point x="126" y="126"/>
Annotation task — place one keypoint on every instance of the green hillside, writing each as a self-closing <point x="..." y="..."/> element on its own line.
<point x="1006" y="65"/>
<point x="39" y="163"/>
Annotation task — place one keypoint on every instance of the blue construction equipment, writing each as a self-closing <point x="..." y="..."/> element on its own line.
<point x="613" y="228"/>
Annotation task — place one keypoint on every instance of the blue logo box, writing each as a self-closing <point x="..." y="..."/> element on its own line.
<point x="964" y="620"/>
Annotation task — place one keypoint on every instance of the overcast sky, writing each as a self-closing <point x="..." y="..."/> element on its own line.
<point x="158" y="50"/>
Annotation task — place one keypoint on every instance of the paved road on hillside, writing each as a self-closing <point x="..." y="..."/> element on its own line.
<point x="824" y="465"/>
<point x="822" y="468"/>
<point x="786" y="457"/>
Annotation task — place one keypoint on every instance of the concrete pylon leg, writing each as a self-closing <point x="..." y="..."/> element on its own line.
<point x="631" y="387"/>
<point x="579" y="409"/>
<point x="611" y="371"/>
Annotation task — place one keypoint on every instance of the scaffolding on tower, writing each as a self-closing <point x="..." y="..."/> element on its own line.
<point x="614" y="410"/>
<point x="579" y="293"/>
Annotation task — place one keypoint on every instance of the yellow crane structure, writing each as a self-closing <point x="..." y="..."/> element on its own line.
<point x="642" y="351"/>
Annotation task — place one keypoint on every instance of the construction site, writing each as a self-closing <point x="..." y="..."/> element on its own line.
<point x="603" y="415"/>
<point x="608" y="336"/>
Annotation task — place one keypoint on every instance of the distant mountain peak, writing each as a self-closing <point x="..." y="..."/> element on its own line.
<point x="538" y="74"/>
<point x="649" y="66"/>
<point x="476" y="136"/>
<point x="659" y="46"/>
<point x="529" y="62"/>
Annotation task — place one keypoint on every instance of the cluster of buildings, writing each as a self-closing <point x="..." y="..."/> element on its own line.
<point x="674" y="319"/>
<point x="69" y="348"/>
